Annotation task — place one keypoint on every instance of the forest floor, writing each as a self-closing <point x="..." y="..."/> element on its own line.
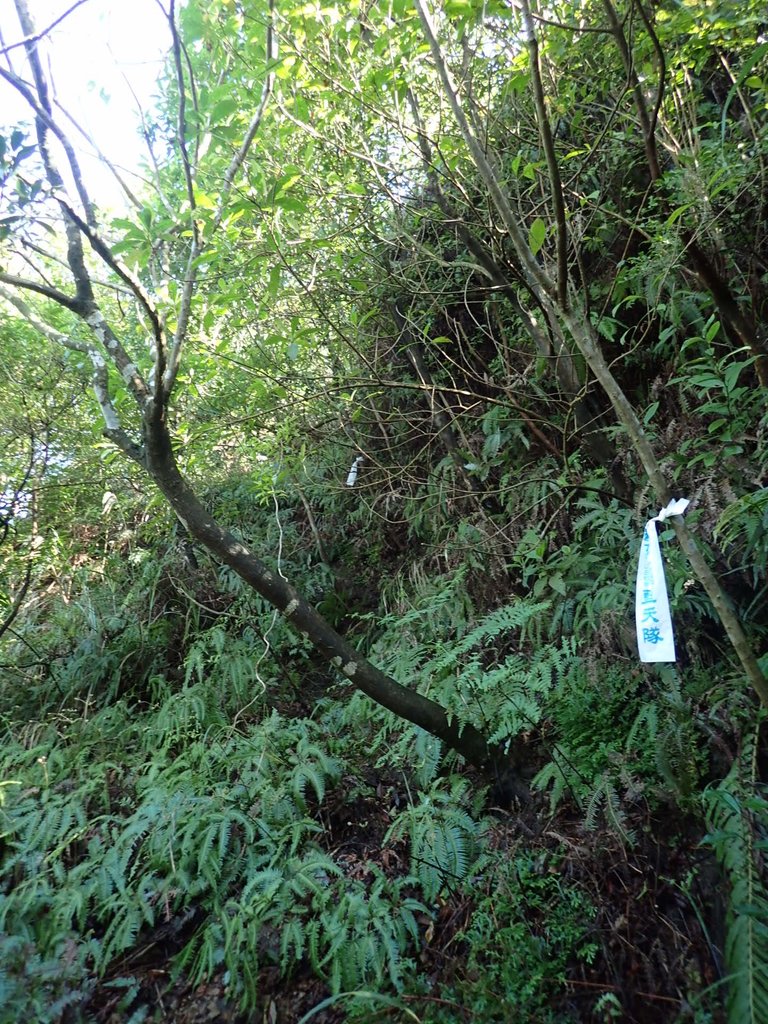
<point x="657" y="938"/>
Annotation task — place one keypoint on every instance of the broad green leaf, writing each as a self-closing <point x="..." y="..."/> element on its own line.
<point x="537" y="235"/>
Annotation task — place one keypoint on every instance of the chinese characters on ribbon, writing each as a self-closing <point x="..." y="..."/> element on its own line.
<point x="655" y="636"/>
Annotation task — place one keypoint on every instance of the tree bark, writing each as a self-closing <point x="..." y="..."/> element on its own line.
<point x="402" y="701"/>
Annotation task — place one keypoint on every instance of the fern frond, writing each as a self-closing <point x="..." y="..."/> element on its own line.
<point x="737" y="813"/>
<point x="605" y="800"/>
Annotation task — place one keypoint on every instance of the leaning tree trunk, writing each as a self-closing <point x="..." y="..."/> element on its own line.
<point x="402" y="701"/>
<point x="152" y="396"/>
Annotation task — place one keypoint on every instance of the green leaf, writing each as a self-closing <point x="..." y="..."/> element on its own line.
<point x="204" y="202"/>
<point x="223" y="109"/>
<point x="557" y="583"/>
<point x="650" y="412"/>
<point x="678" y="213"/>
<point x="537" y="235"/>
<point x="732" y="374"/>
<point x="712" y="331"/>
<point x="291" y="204"/>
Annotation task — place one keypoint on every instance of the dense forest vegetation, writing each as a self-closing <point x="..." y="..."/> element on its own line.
<point x="325" y="466"/>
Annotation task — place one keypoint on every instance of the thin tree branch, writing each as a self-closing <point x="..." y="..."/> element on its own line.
<point x="10" y="503"/>
<point x="646" y="125"/>
<point x="41" y="35"/>
<point x="127" y="191"/>
<point x="255" y="122"/>
<point x="15" y="608"/>
<point x="662" y="61"/>
<point x="99" y="374"/>
<point x="157" y="182"/>
<point x="25" y="243"/>
<point x="69" y="302"/>
<point x="43" y="328"/>
<point x="536" y="278"/>
<point x="580" y="29"/>
<point x="555" y="183"/>
<point x="44" y="111"/>
<point x="100" y="247"/>
<point x="190" y="277"/>
<point x="181" y="128"/>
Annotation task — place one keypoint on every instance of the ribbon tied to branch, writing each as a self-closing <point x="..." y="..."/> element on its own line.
<point x="655" y="636"/>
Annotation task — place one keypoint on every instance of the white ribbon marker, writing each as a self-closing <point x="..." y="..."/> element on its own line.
<point x="655" y="637"/>
<point x="352" y="475"/>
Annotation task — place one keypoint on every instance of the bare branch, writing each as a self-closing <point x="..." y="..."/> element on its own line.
<point x="99" y="374"/>
<point x="165" y="375"/>
<point x="72" y="303"/>
<point x="581" y="29"/>
<point x="190" y="277"/>
<point x="41" y="35"/>
<point x="556" y="185"/>
<point x="117" y="353"/>
<point x="193" y="91"/>
<point x="662" y="73"/>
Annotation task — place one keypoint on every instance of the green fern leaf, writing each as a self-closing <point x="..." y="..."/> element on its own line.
<point x="737" y="812"/>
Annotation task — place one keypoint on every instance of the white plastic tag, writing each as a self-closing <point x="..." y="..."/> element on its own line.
<point x="655" y="636"/>
<point x="352" y="475"/>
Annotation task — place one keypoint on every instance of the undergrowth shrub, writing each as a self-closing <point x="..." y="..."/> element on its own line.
<point x="114" y="827"/>
<point x="36" y="989"/>
<point x="615" y="735"/>
<point x="528" y="927"/>
<point x="444" y="838"/>
<point x="494" y="671"/>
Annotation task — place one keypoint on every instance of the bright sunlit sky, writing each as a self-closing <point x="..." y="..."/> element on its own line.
<point x="90" y="55"/>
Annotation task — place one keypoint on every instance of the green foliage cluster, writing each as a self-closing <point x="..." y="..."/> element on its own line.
<point x="526" y="932"/>
<point x="177" y="766"/>
<point x="737" y="815"/>
<point x="127" y="820"/>
<point x="131" y="819"/>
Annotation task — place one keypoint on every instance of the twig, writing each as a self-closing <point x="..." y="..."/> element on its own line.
<point x="41" y="35"/>
<point x="545" y="131"/>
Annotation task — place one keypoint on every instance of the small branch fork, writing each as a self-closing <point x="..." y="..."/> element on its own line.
<point x="151" y="397"/>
